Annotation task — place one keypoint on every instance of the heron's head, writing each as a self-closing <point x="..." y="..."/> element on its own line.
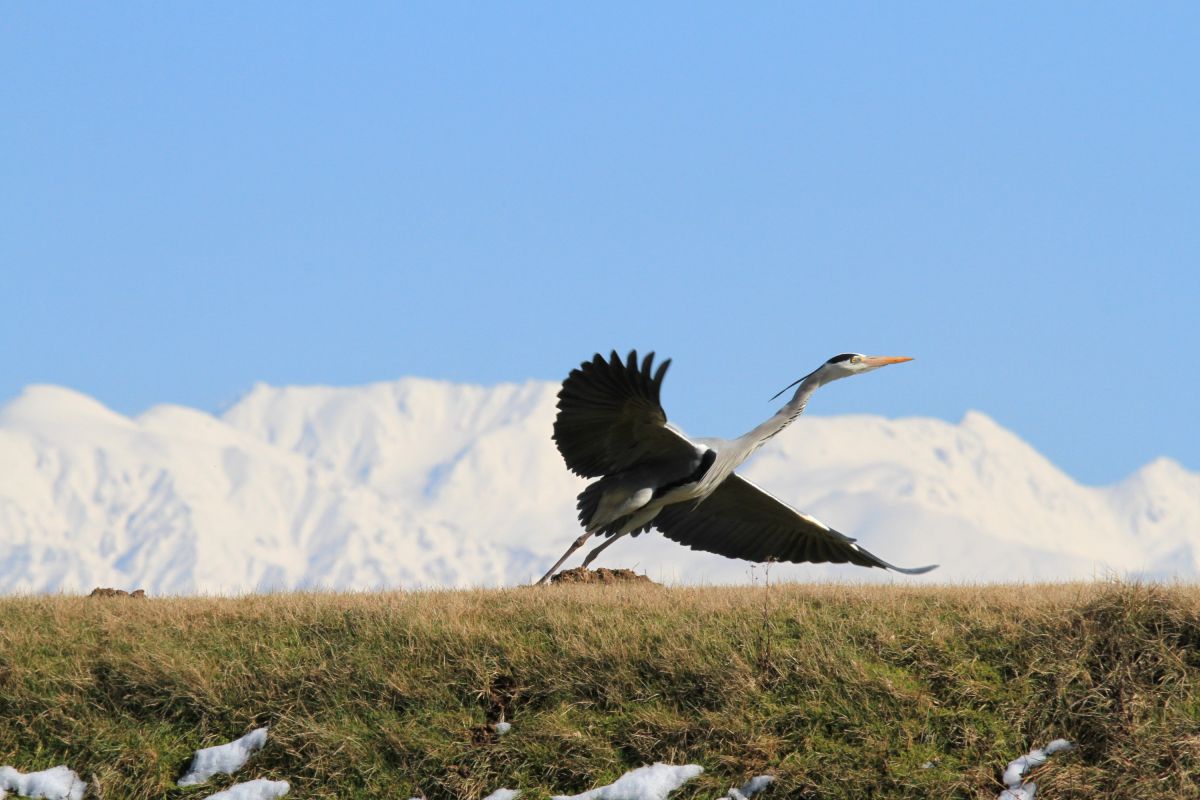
<point x="845" y="365"/>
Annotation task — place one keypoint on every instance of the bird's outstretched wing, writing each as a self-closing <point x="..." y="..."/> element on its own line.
<point x="740" y="520"/>
<point x="610" y="418"/>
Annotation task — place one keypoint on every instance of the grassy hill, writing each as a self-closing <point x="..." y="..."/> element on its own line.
<point x="841" y="692"/>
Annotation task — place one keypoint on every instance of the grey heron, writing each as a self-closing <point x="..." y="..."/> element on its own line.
<point x="612" y="427"/>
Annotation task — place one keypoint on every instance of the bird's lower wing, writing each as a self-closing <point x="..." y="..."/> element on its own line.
<point x="740" y="520"/>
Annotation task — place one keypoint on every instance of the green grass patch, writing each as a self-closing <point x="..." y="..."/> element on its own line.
<point x="840" y="691"/>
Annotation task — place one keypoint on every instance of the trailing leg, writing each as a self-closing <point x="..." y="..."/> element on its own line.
<point x="592" y="555"/>
<point x="578" y="543"/>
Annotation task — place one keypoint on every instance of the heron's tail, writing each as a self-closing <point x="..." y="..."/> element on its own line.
<point x="589" y="501"/>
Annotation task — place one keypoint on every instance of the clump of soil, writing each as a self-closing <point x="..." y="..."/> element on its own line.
<point x="101" y="591"/>
<point x="484" y="735"/>
<point x="601" y="575"/>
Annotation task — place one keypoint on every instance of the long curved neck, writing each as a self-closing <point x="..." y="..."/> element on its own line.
<point x="735" y="451"/>
<point x="756" y="438"/>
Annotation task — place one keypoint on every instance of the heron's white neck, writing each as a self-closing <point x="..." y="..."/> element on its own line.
<point x="785" y="416"/>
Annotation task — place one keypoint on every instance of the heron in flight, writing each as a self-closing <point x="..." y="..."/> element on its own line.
<point x="612" y="427"/>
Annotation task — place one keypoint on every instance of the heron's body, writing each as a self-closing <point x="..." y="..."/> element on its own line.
<point x="611" y="427"/>
<point x="629" y="501"/>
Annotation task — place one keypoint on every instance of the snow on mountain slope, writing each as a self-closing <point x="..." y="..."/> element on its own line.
<point x="418" y="483"/>
<point x="178" y="501"/>
<point x="480" y="456"/>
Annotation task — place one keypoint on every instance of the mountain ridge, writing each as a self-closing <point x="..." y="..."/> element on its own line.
<point x="418" y="482"/>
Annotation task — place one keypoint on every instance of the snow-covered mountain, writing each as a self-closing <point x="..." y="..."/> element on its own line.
<point x="425" y="483"/>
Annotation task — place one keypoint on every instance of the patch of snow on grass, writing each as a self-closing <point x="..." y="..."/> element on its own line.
<point x="223" y="758"/>
<point x="502" y="794"/>
<point x="752" y="787"/>
<point x="1024" y="792"/>
<point x="654" y="782"/>
<point x="56" y="783"/>
<point x="260" y="789"/>
<point x="1014" y="775"/>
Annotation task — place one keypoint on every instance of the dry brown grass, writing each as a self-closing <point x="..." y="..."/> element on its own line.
<point x="841" y="691"/>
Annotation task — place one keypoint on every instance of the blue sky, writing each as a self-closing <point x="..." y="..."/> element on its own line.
<point x="199" y="197"/>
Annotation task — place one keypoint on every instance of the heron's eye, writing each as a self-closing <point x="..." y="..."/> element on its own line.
<point x="856" y="359"/>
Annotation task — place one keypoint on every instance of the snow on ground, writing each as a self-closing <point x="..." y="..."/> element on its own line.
<point x="57" y="783"/>
<point x="752" y="787"/>
<point x="1014" y="775"/>
<point x="224" y="759"/>
<point x="654" y="782"/>
<point x="260" y="789"/>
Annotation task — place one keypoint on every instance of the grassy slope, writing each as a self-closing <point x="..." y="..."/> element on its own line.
<point x="843" y="692"/>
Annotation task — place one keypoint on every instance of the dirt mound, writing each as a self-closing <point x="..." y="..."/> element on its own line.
<point x="601" y="575"/>
<point x="101" y="591"/>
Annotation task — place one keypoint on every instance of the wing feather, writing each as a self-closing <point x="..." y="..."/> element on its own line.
<point x="740" y="520"/>
<point x="610" y="418"/>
